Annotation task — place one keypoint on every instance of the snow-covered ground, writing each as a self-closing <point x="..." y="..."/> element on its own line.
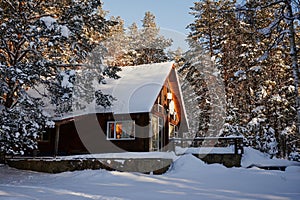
<point x="189" y="178"/>
<point x="252" y="157"/>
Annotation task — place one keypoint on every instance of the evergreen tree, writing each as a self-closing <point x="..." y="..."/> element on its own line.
<point x="203" y="92"/>
<point x="136" y="46"/>
<point x="269" y="143"/>
<point x="149" y="46"/>
<point x="252" y="44"/>
<point x="117" y="44"/>
<point x="177" y="56"/>
<point x="273" y="26"/>
<point x="134" y="36"/>
<point x="38" y="39"/>
<point x="207" y="33"/>
<point x="194" y="89"/>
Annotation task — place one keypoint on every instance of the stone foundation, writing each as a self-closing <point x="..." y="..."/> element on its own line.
<point x="148" y="165"/>
<point x="143" y="165"/>
<point x="228" y="160"/>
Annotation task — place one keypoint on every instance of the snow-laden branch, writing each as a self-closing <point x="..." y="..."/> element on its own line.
<point x="260" y="7"/>
<point x="268" y="30"/>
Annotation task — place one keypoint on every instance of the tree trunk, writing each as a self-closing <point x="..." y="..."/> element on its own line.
<point x="9" y="101"/>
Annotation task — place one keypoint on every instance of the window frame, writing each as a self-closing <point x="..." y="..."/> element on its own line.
<point x="175" y="131"/>
<point x="42" y="137"/>
<point x="156" y="138"/>
<point x="115" y="135"/>
<point x="174" y="116"/>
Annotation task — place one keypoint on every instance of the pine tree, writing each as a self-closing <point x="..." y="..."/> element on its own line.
<point x="134" y="46"/>
<point x="194" y="89"/>
<point x="117" y="44"/>
<point x="134" y="36"/>
<point x="272" y="25"/>
<point x="252" y="46"/>
<point x="38" y="39"/>
<point x="176" y="56"/>
<point x="207" y="33"/>
<point x="270" y="143"/>
<point x="151" y="46"/>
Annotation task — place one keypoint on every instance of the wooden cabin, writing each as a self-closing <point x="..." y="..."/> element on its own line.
<point x="148" y="111"/>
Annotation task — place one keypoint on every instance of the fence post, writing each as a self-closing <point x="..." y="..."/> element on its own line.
<point x="173" y="144"/>
<point x="235" y="146"/>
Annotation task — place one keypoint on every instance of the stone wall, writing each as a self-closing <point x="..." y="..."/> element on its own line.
<point x="228" y="160"/>
<point x="148" y="165"/>
<point x="143" y="165"/>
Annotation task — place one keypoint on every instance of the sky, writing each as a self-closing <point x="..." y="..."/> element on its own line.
<point x="172" y="16"/>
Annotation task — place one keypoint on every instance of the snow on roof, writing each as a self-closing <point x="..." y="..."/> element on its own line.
<point x="138" y="87"/>
<point x="135" y="92"/>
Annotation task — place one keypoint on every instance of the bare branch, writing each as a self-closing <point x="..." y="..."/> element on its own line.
<point x="75" y="65"/>
<point x="10" y="5"/>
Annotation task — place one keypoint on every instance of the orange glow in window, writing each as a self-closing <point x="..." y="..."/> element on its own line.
<point x="118" y="130"/>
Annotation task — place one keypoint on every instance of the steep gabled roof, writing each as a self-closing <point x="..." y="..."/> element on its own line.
<point x="138" y="87"/>
<point x="135" y="92"/>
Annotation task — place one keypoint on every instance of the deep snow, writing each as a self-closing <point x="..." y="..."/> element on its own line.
<point x="188" y="178"/>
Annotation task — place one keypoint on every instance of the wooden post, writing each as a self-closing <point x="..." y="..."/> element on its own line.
<point x="235" y="146"/>
<point x="173" y="145"/>
<point x="57" y="129"/>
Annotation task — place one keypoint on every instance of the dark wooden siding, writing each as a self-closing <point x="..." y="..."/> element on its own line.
<point x="47" y="147"/>
<point x="87" y="134"/>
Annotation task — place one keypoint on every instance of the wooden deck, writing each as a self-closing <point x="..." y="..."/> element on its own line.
<point x="224" y="150"/>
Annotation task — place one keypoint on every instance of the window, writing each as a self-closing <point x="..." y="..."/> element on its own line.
<point x="157" y="133"/>
<point x="173" y="131"/>
<point x="159" y="104"/>
<point x="173" y="116"/>
<point x="120" y="130"/>
<point x="171" y="107"/>
<point x="44" y="137"/>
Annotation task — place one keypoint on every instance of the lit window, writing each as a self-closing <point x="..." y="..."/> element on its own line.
<point x="120" y="130"/>
<point x="173" y="116"/>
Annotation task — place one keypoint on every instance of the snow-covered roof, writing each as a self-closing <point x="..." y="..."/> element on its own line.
<point x="138" y="87"/>
<point x="135" y="92"/>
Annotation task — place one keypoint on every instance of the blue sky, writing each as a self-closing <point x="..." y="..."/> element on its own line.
<point x="171" y="15"/>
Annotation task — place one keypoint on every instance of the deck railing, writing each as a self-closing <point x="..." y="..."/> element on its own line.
<point x="214" y="142"/>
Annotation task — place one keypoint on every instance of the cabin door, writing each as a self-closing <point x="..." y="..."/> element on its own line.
<point x="157" y="133"/>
